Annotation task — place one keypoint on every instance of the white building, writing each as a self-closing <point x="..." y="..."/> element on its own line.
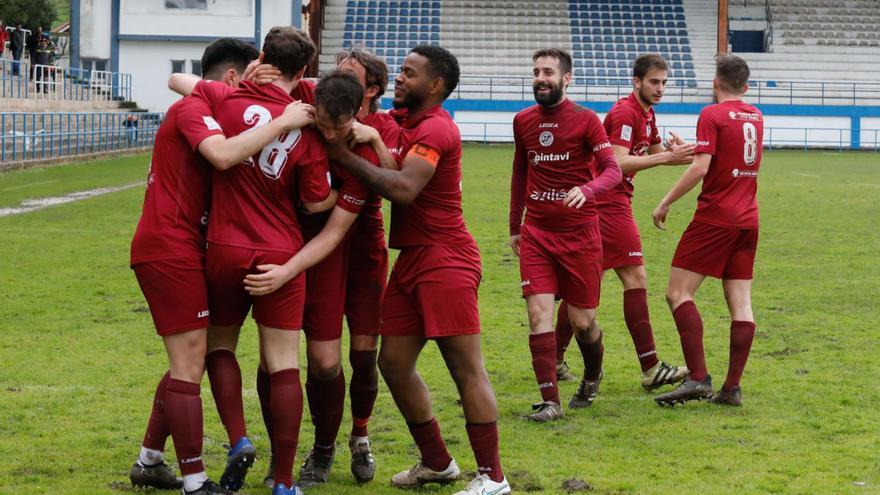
<point x="150" y="39"/>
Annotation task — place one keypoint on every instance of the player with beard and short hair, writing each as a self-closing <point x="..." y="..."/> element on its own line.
<point x="632" y="130"/>
<point x="563" y="160"/>
<point x="432" y="292"/>
<point x="722" y="239"/>
<point x="167" y="255"/>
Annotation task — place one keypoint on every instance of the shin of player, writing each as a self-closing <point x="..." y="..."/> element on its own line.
<point x="432" y="292"/>
<point x="722" y="239"/>
<point x="558" y="244"/>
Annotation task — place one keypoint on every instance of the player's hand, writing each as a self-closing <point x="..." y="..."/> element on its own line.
<point x="674" y="138"/>
<point x="298" y="115"/>
<point x="362" y="133"/>
<point x="272" y="278"/>
<point x="575" y="198"/>
<point x="514" y="243"/>
<point x="659" y="216"/>
<point x="260" y="73"/>
<point x="681" y="153"/>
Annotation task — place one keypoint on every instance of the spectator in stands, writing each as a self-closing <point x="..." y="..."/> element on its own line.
<point x="4" y="37"/>
<point x="33" y="43"/>
<point x="131" y="129"/>
<point x="45" y="55"/>
<point x="17" y="46"/>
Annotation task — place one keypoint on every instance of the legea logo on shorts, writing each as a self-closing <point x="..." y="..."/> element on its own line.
<point x="203" y="314"/>
<point x="634" y="253"/>
<point x="525" y="283"/>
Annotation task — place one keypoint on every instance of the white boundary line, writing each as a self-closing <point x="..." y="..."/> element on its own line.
<point x="30" y="205"/>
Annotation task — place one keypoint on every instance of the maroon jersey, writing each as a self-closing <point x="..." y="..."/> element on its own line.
<point x="555" y="151"/>
<point x="630" y="126"/>
<point x="434" y="217"/>
<point x="254" y="203"/>
<point x="733" y="133"/>
<point x="176" y="200"/>
<point x="369" y="228"/>
<point x="304" y="91"/>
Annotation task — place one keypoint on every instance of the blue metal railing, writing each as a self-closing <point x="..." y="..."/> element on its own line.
<point x="514" y="88"/>
<point x="774" y="137"/>
<point x="50" y="82"/>
<point x="42" y="136"/>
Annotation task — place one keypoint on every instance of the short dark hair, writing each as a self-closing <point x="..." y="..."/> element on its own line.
<point x="224" y="53"/>
<point x="339" y="94"/>
<point x="288" y="49"/>
<point x="647" y="61"/>
<point x="375" y="68"/>
<point x="444" y="65"/>
<point x="559" y="54"/>
<point x="732" y="72"/>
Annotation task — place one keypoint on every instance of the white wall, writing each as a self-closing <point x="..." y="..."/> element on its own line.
<point x="94" y="32"/>
<point x="223" y="18"/>
<point x="149" y="64"/>
<point x="870" y="135"/>
<point x="778" y="130"/>
<point x="274" y="13"/>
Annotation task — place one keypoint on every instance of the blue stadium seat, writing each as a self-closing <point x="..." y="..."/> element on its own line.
<point x="346" y="44"/>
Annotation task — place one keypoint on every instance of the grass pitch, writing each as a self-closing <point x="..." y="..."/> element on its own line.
<point x="80" y="358"/>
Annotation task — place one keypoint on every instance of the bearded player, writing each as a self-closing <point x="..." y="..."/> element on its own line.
<point x="432" y="292"/>
<point x="632" y="130"/>
<point x="562" y="162"/>
<point x="722" y="239"/>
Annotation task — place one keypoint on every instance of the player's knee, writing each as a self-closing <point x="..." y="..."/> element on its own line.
<point x="388" y="366"/>
<point x="674" y="297"/>
<point x="324" y="368"/>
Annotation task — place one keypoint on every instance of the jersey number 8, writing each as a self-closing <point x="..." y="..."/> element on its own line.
<point x="273" y="157"/>
<point x="750" y="147"/>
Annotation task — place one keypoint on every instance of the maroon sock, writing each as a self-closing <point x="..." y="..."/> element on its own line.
<point x="484" y="443"/>
<point x="183" y="410"/>
<point x="431" y="445"/>
<point x="690" y="332"/>
<point x="225" y="377"/>
<point x="593" y="353"/>
<point x="263" y="392"/>
<point x="543" y="348"/>
<point x="363" y="389"/>
<point x="157" y="426"/>
<point x="326" y="403"/>
<point x="286" y="404"/>
<point x="635" y="312"/>
<point x="563" y="332"/>
<point x="741" y="335"/>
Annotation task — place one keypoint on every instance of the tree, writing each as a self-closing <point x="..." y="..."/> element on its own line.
<point x="28" y="13"/>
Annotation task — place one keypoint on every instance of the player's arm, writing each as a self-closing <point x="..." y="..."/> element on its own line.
<point x="606" y="163"/>
<point x="272" y="277"/>
<point x="398" y="186"/>
<point x="326" y="204"/>
<point x="183" y="84"/>
<point x="361" y="133"/>
<point x="688" y="180"/>
<point x="678" y="154"/>
<point x="225" y="153"/>
<point x="517" y="193"/>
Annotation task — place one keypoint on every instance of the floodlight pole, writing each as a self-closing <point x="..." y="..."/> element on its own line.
<point x="722" y="26"/>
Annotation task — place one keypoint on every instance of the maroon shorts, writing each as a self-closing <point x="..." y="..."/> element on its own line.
<point x="432" y="293"/>
<point x="176" y="293"/>
<point x="325" y="296"/>
<point x="367" y="275"/>
<point x="226" y="268"/>
<point x="621" y="242"/>
<point x="719" y="252"/>
<point x="567" y="264"/>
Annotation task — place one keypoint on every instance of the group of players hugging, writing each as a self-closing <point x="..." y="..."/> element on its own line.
<point x="293" y="174"/>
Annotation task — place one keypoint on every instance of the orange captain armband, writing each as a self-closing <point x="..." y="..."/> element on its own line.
<point x="426" y="153"/>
